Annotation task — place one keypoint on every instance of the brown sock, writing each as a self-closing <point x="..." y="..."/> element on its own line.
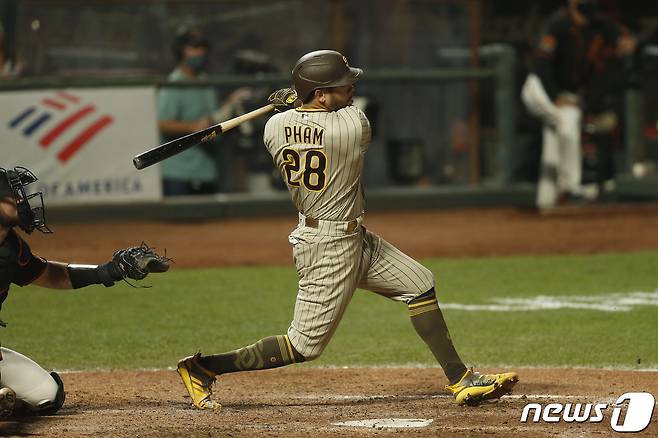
<point x="271" y="352"/>
<point x="428" y="321"/>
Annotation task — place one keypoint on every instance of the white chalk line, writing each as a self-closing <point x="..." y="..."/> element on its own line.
<point x="515" y="367"/>
<point x="413" y="365"/>
<point x="387" y="423"/>
<point x="359" y="397"/>
<point x="615" y="302"/>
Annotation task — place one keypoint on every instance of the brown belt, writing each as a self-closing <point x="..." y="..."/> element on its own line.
<point x="314" y="223"/>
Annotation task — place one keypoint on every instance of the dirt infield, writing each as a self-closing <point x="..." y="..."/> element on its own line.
<point x="449" y="233"/>
<point x="303" y="401"/>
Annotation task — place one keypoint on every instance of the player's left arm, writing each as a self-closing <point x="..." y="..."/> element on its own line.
<point x="54" y="276"/>
<point x="625" y="42"/>
<point x="366" y="131"/>
<point x="133" y="263"/>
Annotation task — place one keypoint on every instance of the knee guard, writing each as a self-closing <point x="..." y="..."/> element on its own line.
<point x="425" y="296"/>
<point x="51" y="407"/>
<point x="7" y="402"/>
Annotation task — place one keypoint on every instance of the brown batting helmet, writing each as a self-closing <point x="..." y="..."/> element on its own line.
<point x="322" y="69"/>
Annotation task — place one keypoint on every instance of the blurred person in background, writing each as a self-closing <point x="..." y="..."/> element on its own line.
<point x="182" y="111"/>
<point x="249" y="162"/>
<point x="10" y="66"/>
<point x="573" y="46"/>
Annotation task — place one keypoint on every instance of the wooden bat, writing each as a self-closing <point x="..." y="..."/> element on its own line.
<point x="173" y="147"/>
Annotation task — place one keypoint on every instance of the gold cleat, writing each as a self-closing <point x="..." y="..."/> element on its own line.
<point x="198" y="382"/>
<point x="474" y="388"/>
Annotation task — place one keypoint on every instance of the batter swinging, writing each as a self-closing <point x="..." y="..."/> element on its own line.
<point x="319" y="148"/>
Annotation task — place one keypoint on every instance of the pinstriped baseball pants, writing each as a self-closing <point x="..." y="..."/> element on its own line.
<point x="331" y="263"/>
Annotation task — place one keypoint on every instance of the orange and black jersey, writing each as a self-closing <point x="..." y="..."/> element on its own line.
<point x="17" y="264"/>
<point x="567" y="55"/>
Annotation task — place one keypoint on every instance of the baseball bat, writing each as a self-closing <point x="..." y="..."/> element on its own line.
<point x="173" y="147"/>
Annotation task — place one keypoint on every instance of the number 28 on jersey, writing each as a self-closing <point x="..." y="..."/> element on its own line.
<point x="303" y="166"/>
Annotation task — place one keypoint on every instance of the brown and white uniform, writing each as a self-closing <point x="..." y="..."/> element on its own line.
<point x="320" y="156"/>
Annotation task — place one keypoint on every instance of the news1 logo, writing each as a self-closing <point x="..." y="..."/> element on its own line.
<point x="639" y="410"/>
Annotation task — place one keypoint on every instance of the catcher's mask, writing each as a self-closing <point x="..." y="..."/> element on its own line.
<point x="12" y="185"/>
<point x="322" y="69"/>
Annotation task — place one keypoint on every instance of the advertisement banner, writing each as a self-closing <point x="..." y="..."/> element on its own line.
<point x="80" y="142"/>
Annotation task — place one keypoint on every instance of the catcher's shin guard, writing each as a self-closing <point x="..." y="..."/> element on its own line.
<point x="474" y="388"/>
<point x="198" y="382"/>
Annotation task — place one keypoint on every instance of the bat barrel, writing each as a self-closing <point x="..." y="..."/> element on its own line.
<point x="166" y="150"/>
<point x="138" y="163"/>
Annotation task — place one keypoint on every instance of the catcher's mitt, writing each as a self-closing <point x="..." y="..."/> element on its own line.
<point x="284" y="99"/>
<point x="137" y="262"/>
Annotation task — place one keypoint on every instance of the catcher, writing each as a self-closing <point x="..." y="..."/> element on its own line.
<point x="23" y="383"/>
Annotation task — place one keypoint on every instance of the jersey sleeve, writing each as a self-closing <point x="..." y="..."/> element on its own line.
<point x="545" y="54"/>
<point x="366" y="133"/>
<point x="29" y="266"/>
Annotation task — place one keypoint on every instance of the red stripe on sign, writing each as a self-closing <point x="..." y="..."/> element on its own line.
<point x="77" y="143"/>
<point x="53" y="104"/>
<point x="64" y="125"/>
<point x="69" y="97"/>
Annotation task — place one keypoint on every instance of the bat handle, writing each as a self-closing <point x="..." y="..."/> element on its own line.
<point x="230" y="124"/>
<point x="138" y="163"/>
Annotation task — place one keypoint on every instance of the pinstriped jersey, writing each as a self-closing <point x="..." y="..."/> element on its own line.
<point x="320" y="156"/>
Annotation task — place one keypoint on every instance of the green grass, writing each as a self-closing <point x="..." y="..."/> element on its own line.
<point x="221" y="309"/>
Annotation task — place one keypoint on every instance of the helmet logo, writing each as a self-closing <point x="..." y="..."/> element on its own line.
<point x="345" y="61"/>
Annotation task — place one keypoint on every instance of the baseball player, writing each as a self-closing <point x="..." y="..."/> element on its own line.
<point x="23" y="382"/>
<point x="572" y="48"/>
<point x="319" y="148"/>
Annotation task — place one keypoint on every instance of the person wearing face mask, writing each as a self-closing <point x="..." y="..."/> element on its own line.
<point x="574" y="46"/>
<point x="184" y="110"/>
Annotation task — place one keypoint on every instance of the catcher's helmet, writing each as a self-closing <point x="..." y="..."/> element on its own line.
<point x="12" y="185"/>
<point x="322" y="69"/>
